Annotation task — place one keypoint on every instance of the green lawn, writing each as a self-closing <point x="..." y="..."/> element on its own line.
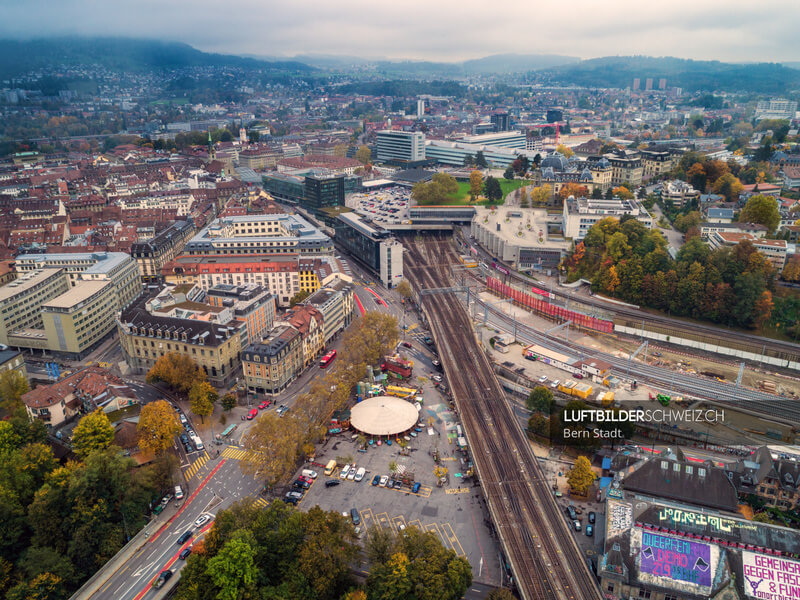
<point x="462" y="195"/>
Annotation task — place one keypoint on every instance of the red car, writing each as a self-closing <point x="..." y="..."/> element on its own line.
<point x="264" y="404"/>
<point x="308" y="480"/>
<point x="252" y="414"/>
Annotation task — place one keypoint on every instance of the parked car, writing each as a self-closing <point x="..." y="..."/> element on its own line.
<point x="308" y="480"/>
<point x="331" y="483"/>
<point x="354" y="516"/>
<point x="543" y="378"/>
<point x="376" y="480"/>
<point x="296" y="496"/>
<point x="589" y="530"/>
<point x="185" y="553"/>
<point x="555" y="383"/>
<point x="384" y="480"/>
<point x="592" y="516"/>
<point x="576" y="525"/>
<point x="343" y="473"/>
<point x="178" y="492"/>
<point x="202" y="520"/>
<point x="416" y="487"/>
<point x="301" y="484"/>
<point x="252" y="414"/>
<point x="309" y="473"/>
<point x="264" y="404"/>
<point x="352" y="474"/>
<point x="436" y="377"/>
<point x="571" y="512"/>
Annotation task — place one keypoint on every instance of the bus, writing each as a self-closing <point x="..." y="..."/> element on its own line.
<point x="228" y="430"/>
<point x="327" y="359"/>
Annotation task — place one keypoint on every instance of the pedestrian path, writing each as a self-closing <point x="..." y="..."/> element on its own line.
<point x="235" y="453"/>
<point x="194" y="468"/>
<point x="261" y="502"/>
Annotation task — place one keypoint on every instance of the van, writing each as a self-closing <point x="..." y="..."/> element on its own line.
<point x="330" y="467"/>
<point x="309" y="473"/>
<point x="178" y="493"/>
<point x="198" y="443"/>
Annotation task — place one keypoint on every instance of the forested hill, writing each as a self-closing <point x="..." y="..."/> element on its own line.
<point x="18" y="57"/>
<point x="691" y="75"/>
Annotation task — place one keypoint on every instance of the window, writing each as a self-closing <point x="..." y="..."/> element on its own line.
<point x="670" y="597"/>
<point x="610" y="587"/>
<point x="689" y="469"/>
<point x="643" y="593"/>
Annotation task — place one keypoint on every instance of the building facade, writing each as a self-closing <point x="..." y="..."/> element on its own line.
<point x="402" y="146"/>
<point x="374" y="247"/>
<point x="580" y="214"/>
<point x="153" y="254"/>
<point x="323" y="191"/>
<point x="336" y="304"/>
<point x="269" y="367"/>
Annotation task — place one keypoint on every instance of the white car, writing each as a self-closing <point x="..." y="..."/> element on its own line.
<point x="555" y="384"/>
<point x="352" y="474"/>
<point x="359" y="474"/>
<point x="202" y="520"/>
<point x="345" y="471"/>
<point x="543" y="378"/>
<point x="384" y="480"/>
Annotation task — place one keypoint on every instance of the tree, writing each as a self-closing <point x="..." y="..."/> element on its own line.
<point x="580" y="477"/>
<point x="539" y="425"/>
<point x="729" y="186"/>
<point x="340" y="150"/>
<point x="157" y="427"/>
<point x="475" y="185"/>
<point x="573" y="189"/>
<point x="233" y="569"/>
<point x="500" y="594"/>
<point x="178" y="371"/>
<point x="229" y="402"/>
<point x="791" y="272"/>
<point x="524" y="199"/>
<point x="447" y="182"/>
<point x="404" y="289"/>
<point x="539" y="196"/>
<point x="363" y="155"/>
<point x="623" y="193"/>
<point x="202" y="397"/>
<point x="480" y="160"/>
<point x="299" y="297"/>
<point x="541" y="400"/>
<point x="566" y="151"/>
<point x="509" y="173"/>
<point x="93" y="432"/>
<point x="492" y="189"/>
<point x="685" y="222"/>
<point x="13" y="386"/>
<point x="763" y="308"/>
<point x="469" y="160"/>
<point x="761" y="209"/>
<point x="275" y="444"/>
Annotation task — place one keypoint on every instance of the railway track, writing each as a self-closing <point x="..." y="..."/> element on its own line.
<point x="545" y="560"/>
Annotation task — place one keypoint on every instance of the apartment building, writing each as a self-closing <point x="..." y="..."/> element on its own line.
<point x="145" y="337"/>
<point x="336" y="304"/>
<point x="153" y="254"/>
<point x="21" y="300"/>
<point x="773" y="250"/>
<point x="182" y="202"/>
<point x="309" y="322"/>
<point x="627" y="171"/>
<point x="655" y="163"/>
<point x="251" y="304"/>
<point x="270" y="366"/>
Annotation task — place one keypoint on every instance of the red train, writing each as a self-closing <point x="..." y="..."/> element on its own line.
<point x="549" y="310"/>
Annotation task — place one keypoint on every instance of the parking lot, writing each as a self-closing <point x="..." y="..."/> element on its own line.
<point x="454" y="512"/>
<point x="386" y="205"/>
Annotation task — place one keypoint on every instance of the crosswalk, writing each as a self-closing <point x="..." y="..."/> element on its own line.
<point x="261" y="502"/>
<point x="235" y="453"/>
<point x="194" y="468"/>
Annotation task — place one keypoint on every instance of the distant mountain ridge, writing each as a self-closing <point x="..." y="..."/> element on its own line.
<point x="18" y="57"/>
<point x="691" y="75"/>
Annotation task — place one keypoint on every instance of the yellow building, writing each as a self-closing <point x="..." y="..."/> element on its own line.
<point x="76" y="320"/>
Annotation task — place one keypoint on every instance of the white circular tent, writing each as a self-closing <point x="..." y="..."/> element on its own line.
<point x="383" y="415"/>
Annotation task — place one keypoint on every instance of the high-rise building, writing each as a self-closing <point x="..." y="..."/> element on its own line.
<point x="420" y="108"/>
<point x="648" y="84"/>
<point x="662" y="84"/>
<point x="323" y="190"/>
<point x="636" y="84"/>
<point x="501" y="121"/>
<point x="373" y="246"/>
<point x="776" y="108"/>
<point x="402" y="146"/>
<point x="555" y="115"/>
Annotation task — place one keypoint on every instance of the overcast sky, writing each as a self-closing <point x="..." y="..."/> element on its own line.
<point x="450" y="30"/>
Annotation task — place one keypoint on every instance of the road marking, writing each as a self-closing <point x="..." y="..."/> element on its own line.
<point x="457" y="491"/>
<point x="261" y="502"/>
<point x="415" y="523"/>
<point x="383" y="521"/>
<point x="453" y="539"/>
<point x="367" y="518"/>
<point x="398" y="521"/>
<point x="235" y="453"/>
<point x="198" y="464"/>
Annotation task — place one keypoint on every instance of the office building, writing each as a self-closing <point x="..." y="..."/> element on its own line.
<point x="400" y="146"/>
<point x="580" y="214"/>
<point x="323" y="190"/>
<point x="289" y="188"/>
<point x="555" y="115"/>
<point x="117" y="267"/>
<point x="372" y="246"/>
<point x="260" y="234"/>
<point x="270" y="366"/>
<point x="21" y="300"/>
<point x="501" y="121"/>
<point x="156" y="252"/>
<point x="455" y="153"/>
<point x="776" y="108"/>
<point x="504" y="139"/>
<point x="420" y="108"/>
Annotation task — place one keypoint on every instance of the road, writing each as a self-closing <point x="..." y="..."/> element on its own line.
<point x="214" y="490"/>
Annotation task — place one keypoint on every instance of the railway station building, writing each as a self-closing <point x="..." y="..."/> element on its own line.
<point x="664" y="550"/>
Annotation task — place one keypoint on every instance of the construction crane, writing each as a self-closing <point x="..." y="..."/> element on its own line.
<point x="557" y="125"/>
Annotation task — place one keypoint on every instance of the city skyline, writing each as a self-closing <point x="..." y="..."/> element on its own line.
<point x="445" y="31"/>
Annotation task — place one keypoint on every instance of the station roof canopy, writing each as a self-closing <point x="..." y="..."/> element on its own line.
<point x="383" y="415"/>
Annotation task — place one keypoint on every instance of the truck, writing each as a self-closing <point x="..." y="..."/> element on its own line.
<point x="571" y="388"/>
<point x="605" y="399"/>
<point x="397" y="367"/>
